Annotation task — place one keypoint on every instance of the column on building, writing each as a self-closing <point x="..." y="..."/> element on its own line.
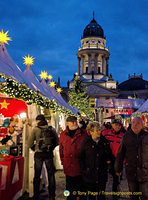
<point x="89" y="63"/>
<point x="103" y="64"/>
<point x="100" y="60"/>
<point x="107" y="59"/>
<point x="82" y="64"/>
<point x="79" y="59"/>
<point x="96" y="63"/>
<point x="93" y="62"/>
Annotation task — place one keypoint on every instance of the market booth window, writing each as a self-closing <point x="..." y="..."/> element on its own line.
<point x="12" y="114"/>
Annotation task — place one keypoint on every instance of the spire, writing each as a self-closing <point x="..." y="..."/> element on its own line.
<point x="93" y="20"/>
<point x="68" y="83"/>
<point x="58" y="82"/>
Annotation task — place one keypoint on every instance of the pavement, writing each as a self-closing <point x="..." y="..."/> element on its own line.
<point x="60" y="187"/>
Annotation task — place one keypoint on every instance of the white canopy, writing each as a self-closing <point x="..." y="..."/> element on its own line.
<point x="33" y="82"/>
<point x="8" y="67"/>
<point x="59" y="99"/>
<point x="144" y="107"/>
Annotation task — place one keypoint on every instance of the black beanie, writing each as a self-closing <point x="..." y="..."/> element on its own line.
<point x="40" y="117"/>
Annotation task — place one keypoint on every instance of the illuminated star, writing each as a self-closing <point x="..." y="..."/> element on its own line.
<point x="52" y="84"/>
<point x="4" y="104"/>
<point x="43" y="75"/>
<point x="4" y="37"/>
<point x="28" y="60"/>
<point x="59" y="90"/>
<point x="49" y="77"/>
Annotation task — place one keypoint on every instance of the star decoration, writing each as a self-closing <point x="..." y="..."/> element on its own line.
<point x="52" y="84"/>
<point x="4" y="104"/>
<point x="49" y="77"/>
<point x="59" y="90"/>
<point x="4" y="37"/>
<point x="43" y="75"/>
<point x="28" y="60"/>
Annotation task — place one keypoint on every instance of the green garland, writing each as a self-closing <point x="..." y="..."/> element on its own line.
<point x="139" y="114"/>
<point x="20" y="91"/>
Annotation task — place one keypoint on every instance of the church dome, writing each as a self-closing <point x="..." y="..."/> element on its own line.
<point x="93" y="29"/>
<point x="134" y="83"/>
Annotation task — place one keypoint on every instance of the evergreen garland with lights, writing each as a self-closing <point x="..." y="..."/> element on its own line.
<point x="20" y="91"/>
<point x="79" y="97"/>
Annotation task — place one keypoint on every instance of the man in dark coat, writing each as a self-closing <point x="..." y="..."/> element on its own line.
<point x="114" y="136"/>
<point x="134" y="149"/>
<point x="41" y="156"/>
<point x="69" y="146"/>
<point x="94" y="158"/>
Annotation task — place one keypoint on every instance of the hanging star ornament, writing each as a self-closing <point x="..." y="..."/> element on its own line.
<point x="52" y="84"/>
<point x="28" y="60"/>
<point x="49" y="77"/>
<point x="4" y="104"/>
<point x="43" y="75"/>
<point x="4" y="37"/>
<point x="59" y="90"/>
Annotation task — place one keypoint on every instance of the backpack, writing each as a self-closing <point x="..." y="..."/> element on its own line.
<point x="47" y="139"/>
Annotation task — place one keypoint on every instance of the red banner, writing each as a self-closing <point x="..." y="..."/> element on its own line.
<point x="10" y="107"/>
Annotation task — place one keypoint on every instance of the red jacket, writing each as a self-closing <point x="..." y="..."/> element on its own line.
<point x="114" y="140"/>
<point x="69" y="150"/>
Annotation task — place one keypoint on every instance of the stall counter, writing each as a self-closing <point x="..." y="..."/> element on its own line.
<point x="12" y="177"/>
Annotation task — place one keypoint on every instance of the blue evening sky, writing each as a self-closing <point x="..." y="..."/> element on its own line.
<point x="51" y="30"/>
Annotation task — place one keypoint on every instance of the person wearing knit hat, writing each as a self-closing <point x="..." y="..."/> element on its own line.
<point x="40" y="117"/>
<point x="43" y="136"/>
<point x="69" y="146"/>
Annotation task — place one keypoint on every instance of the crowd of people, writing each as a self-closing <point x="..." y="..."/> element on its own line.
<point x="88" y="152"/>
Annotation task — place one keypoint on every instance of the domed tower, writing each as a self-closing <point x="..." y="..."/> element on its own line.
<point x="93" y="67"/>
<point x="93" y="56"/>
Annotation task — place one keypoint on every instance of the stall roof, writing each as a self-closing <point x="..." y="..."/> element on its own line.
<point x="143" y="108"/>
<point x="59" y="99"/>
<point x="124" y="103"/>
<point x="34" y="83"/>
<point x="8" y="66"/>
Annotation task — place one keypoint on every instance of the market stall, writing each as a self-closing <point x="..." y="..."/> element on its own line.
<point x="11" y="159"/>
<point x="23" y="98"/>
